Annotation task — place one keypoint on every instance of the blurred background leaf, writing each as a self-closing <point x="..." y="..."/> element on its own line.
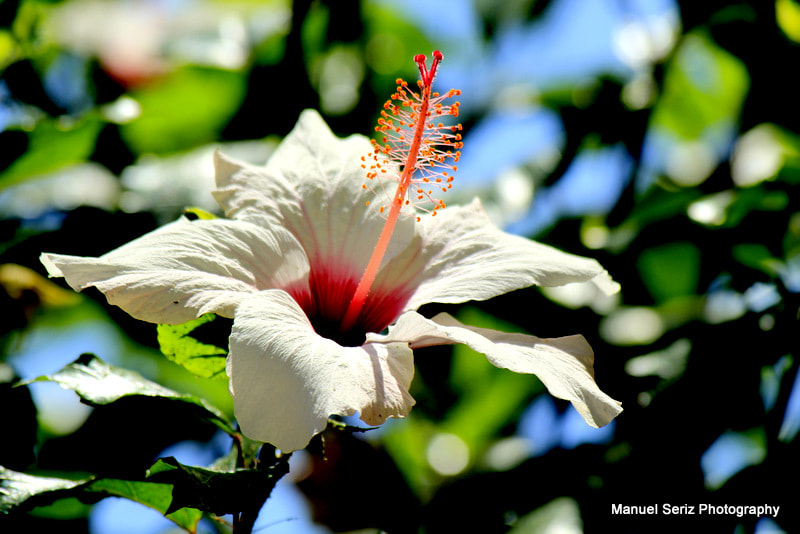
<point x="659" y="137"/>
<point x="188" y="107"/>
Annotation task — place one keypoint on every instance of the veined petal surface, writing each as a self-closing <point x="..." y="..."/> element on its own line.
<point x="286" y="380"/>
<point x="313" y="186"/>
<point x="188" y="268"/>
<point x="462" y="256"/>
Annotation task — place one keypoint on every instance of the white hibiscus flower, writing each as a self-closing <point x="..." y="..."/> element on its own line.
<point x="285" y="265"/>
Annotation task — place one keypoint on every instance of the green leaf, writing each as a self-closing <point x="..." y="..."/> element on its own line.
<point x="18" y="489"/>
<point x="757" y="256"/>
<point x="561" y="514"/>
<point x="53" y="144"/>
<point x="217" y="492"/>
<point x="186" y="109"/>
<point x="405" y="444"/>
<point x="153" y="495"/>
<point x="201" y="359"/>
<point x="98" y="383"/>
<point x="671" y="270"/>
<point x="747" y="201"/>
<point x="654" y="205"/>
<point x="394" y="38"/>
<point x="8" y="48"/>
<point x="787" y="15"/>
<point x="24" y="491"/>
<point x="704" y="86"/>
<point x="194" y="213"/>
<point x="63" y="509"/>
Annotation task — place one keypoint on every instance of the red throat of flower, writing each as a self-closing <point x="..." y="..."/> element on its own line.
<point x="416" y="151"/>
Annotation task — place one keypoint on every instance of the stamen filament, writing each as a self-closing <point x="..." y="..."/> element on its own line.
<point x="365" y="284"/>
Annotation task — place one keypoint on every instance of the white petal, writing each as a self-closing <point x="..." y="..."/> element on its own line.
<point x="565" y="365"/>
<point x="286" y="380"/>
<point x="188" y="268"/>
<point x="313" y="186"/>
<point x="465" y="257"/>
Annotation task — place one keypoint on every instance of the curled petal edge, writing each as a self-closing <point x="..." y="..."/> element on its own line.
<point x="565" y="365"/>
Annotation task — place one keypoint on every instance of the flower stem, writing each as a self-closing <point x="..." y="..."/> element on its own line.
<point x="273" y="469"/>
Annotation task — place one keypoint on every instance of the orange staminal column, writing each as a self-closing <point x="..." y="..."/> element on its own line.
<point x="412" y="140"/>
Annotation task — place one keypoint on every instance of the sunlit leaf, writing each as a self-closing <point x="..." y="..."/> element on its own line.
<point x="52" y="145"/>
<point x="18" y="280"/>
<point x="17" y="489"/>
<point x="703" y="87"/>
<point x="202" y="359"/>
<point x="313" y="32"/>
<point x="98" y="383"/>
<point x="393" y="38"/>
<point x="194" y="212"/>
<point x="186" y="109"/>
<point x="7" y="47"/>
<point x="787" y="15"/>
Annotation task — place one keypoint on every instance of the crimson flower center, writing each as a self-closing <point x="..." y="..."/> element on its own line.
<point x="329" y="292"/>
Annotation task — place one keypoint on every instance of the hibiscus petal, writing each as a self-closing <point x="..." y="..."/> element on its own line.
<point x="187" y="268"/>
<point x="286" y="380"/>
<point x="313" y="186"/>
<point x="465" y="257"/>
<point x="564" y="365"/>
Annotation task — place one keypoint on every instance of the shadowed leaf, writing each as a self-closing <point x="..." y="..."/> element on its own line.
<point x="217" y="492"/>
<point x="98" y="383"/>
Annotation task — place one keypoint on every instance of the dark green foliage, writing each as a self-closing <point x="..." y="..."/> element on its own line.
<point x="706" y="253"/>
